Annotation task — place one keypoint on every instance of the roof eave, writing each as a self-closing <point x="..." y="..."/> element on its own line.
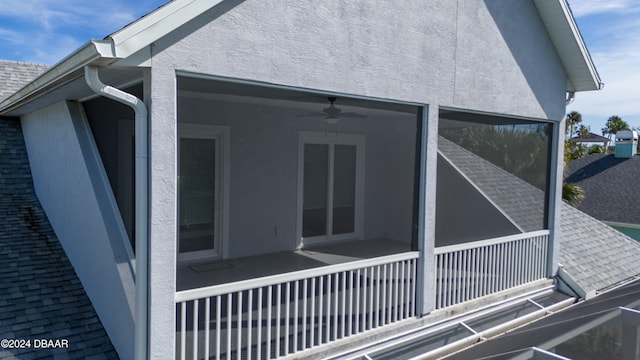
<point x="153" y="26"/>
<point x="565" y="35"/>
<point x="93" y="52"/>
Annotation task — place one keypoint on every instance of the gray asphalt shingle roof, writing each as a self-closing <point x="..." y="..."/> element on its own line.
<point x="594" y="254"/>
<point x="610" y="186"/>
<point x="40" y="295"/>
<point x="14" y="75"/>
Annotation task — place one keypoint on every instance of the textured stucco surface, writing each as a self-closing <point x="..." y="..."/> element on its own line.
<point x="491" y="56"/>
<point x="64" y="180"/>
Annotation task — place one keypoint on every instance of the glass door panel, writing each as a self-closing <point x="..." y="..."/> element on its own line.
<point x="197" y="194"/>
<point x="314" y="213"/>
<point x="344" y="189"/>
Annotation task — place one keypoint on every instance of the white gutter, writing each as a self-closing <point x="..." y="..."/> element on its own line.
<point x="61" y="73"/>
<point x="141" y="199"/>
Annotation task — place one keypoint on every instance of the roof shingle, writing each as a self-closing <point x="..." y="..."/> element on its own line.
<point x="14" y="75"/>
<point x="594" y="254"/>
<point x="40" y="294"/>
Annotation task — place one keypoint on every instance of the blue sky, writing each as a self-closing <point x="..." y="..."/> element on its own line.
<point x="44" y="31"/>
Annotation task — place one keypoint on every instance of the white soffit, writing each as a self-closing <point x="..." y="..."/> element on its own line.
<point x="563" y="31"/>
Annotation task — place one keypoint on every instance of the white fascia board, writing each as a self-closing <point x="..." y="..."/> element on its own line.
<point x="59" y="74"/>
<point x="565" y="35"/>
<point x="157" y="24"/>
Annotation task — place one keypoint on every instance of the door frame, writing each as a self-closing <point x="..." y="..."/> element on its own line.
<point x="221" y="134"/>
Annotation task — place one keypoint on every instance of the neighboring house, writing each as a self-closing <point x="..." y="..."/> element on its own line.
<point x="265" y="179"/>
<point x="610" y="189"/>
<point x="591" y="140"/>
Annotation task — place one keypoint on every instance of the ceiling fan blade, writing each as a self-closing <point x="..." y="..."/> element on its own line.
<point x="353" y="115"/>
<point x="312" y="114"/>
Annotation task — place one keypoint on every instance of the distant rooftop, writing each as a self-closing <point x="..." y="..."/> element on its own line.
<point x="610" y="185"/>
<point x="591" y="137"/>
<point x="14" y="75"/>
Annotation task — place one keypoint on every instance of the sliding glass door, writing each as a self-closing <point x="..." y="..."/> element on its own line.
<point x="330" y="185"/>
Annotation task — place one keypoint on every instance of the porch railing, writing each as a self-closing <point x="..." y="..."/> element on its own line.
<point x="468" y="271"/>
<point x="278" y="315"/>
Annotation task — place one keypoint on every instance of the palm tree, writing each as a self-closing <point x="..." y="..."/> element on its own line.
<point x="572" y="120"/>
<point x="583" y="131"/>
<point x="613" y="125"/>
<point x="572" y="194"/>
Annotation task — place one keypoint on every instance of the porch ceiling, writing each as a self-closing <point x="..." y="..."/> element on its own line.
<point x="270" y="94"/>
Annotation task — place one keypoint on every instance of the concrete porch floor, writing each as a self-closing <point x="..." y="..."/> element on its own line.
<point x="204" y="274"/>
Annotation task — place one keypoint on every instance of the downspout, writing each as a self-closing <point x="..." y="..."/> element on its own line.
<point x="141" y="199"/>
<point x="571" y="95"/>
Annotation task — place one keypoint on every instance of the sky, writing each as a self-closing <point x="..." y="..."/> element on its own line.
<point x="45" y="31"/>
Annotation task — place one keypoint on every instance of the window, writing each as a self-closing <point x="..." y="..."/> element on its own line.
<point x="330" y="187"/>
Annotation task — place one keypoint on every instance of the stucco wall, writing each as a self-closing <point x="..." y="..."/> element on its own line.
<point x="491" y="56"/>
<point x="67" y="181"/>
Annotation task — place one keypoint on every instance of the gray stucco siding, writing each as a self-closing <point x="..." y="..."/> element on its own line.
<point x="485" y="56"/>
<point x="506" y="60"/>
<point x="65" y="181"/>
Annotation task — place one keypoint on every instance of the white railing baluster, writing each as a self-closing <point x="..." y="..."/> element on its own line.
<point x="357" y="304"/>
<point x="350" y="315"/>
<point x="337" y="306"/>
<point x="328" y="310"/>
<point x="320" y="303"/>
<point x="183" y="330"/>
<point x="402" y="290"/>
<point x="471" y="270"/>
<point x="195" y="328"/>
<point x="207" y="326"/>
<point x="286" y="319"/>
<point x="229" y="321"/>
<point x="350" y="298"/>
<point x="259" y="326"/>
<point x="304" y="314"/>
<point x="249" y="322"/>
<point x="268" y="339"/>
<point x="377" y="310"/>
<point x="239" y="329"/>
<point x="218" y="326"/>
<point x="296" y="292"/>
<point x="384" y="296"/>
<point x="278" y="317"/>
<point x="343" y="324"/>
<point x="313" y="312"/>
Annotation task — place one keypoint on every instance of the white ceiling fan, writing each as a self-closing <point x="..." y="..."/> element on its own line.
<point x="332" y="114"/>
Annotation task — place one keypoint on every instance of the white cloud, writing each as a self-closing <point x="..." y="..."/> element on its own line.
<point x="47" y="30"/>
<point x="617" y="58"/>
<point x="591" y="7"/>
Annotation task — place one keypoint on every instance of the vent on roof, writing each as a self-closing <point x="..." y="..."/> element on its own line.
<point x="626" y="143"/>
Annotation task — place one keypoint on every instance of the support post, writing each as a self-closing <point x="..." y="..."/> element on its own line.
<point x="556" y="167"/>
<point x="427" y="169"/>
